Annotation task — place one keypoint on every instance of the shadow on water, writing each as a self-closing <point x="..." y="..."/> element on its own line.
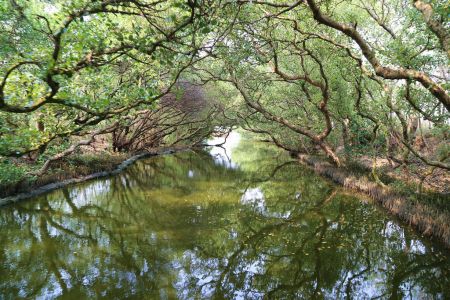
<point x="191" y="226"/>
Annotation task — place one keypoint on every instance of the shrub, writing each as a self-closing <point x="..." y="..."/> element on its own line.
<point x="10" y="173"/>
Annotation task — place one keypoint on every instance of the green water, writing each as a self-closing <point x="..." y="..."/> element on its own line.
<point x="196" y="226"/>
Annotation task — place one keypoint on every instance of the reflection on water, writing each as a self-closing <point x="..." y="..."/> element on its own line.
<point x="187" y="226"/>
<point x="226" y="145"/>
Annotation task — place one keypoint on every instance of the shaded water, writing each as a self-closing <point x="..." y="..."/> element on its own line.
<point x="195" y="225"/>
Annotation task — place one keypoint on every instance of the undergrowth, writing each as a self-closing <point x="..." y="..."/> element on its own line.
<point x="16" y="178"/>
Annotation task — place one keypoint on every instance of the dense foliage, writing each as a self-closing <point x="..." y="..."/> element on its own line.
<point x="342" y="77"/>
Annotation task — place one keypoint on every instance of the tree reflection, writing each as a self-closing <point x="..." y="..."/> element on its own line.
<point x="179" y="227"/>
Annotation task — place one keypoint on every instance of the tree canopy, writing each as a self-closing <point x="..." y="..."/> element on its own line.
<point x="310" y="75"/>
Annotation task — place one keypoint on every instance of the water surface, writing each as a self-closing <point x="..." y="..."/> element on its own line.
<point x="196" y="225"/>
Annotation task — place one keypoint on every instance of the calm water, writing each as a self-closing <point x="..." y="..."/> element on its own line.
<point x="197" y="225"/>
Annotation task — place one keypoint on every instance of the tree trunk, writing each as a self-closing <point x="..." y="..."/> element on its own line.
<point x="330" y="153"/>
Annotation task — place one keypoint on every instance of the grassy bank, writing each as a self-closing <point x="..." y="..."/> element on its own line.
<point x="75" y="169"/>
<point x="18" y="178"/>
<point x="417" y="210"/>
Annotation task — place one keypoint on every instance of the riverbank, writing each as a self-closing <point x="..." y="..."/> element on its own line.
<point x="421" y="211"/>
<point x="417" y="210"/>
<point x="250" y="205"/>
<point x="75" y="170"/>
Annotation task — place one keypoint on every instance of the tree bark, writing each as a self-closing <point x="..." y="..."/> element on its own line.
<point x="386" y="72"/>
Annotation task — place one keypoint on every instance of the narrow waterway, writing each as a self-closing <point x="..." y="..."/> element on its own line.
<point x="245" y="223"/>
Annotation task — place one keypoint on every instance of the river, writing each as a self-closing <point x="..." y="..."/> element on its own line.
<point x="245" y="223"/>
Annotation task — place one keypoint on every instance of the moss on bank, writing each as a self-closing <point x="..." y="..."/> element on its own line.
<point x="418" y="210"/>
<point x="407" y="188"/>
<point x="17" y="179"/>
